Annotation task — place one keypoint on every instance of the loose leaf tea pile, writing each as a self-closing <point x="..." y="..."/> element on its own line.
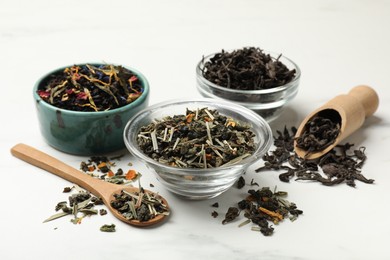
<point x="319" y="132"/>
<point x="340" y="165"/>
<point x="263" y="207"/>
<point x="247" y="69"/>
<point x="200" y="138"/>
<point x="91" y="88"/>
<point x="141" y="205"/>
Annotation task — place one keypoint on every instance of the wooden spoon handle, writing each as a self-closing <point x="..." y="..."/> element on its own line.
<point x="42" y="160"/>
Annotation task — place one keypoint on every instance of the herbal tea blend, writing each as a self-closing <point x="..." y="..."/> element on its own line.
<point x="337" y="166"/>
<point x="201" y="138"/>
<point x="91" y="88"/>
<point x="262" y="207"/>
<point x="102" y="167"/>
<point x="81" y="202"/>
<point x="247" y="69"/>
<point x="140" y="205"/>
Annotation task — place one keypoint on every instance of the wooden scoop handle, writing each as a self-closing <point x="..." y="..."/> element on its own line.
<point x="367" y="97"/>
<point x="44" y="161"/>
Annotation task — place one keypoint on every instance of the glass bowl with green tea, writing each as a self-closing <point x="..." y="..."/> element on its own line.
<point x="82" y="109"/>
<point x="197" y="148"/>
<point x="261" y="81"/>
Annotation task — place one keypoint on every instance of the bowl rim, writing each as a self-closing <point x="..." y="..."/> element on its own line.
<point x="252" y="92"/>
<point x="261" y="149"/>
<point x="135" y="103"/>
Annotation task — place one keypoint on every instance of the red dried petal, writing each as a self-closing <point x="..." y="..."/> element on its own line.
<point x="44" y="93"/>
<point x="133" y="78"/>
<point x="69" y="91"/>
<point x="132" y="96"/>
<point x="82" y="95"/>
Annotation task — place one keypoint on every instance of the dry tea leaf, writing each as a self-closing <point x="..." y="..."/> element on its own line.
<point x="247" y="69"/>
<point x="108" y="228"/>
<point x="335" y="167"/>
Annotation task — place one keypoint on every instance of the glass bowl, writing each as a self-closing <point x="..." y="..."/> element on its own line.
<point x="198" y="183"/>
<point x="86" y="133"/>
<point x="268" y="103"/>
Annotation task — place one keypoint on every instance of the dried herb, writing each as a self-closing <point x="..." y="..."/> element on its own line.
<point x="103" y="168"/>
<point x="140" y="205"/>
<point x="337" y="166"/>
<point x="214" y="214"/>
<point x="240" y="182"/>
<point x="77" y="198"/>
<point x="91" y="88"/>
<point x="97" y="201"/>
<point x="247" y="69"/>
<point x="81" y="202"/>
<point x="263" y="207"/>
<point x="231" y="215"/>
<point x="67" y="189"/>
<point x="319" y="132"/>
<point x="253" y="183"/>
<point x="201" y="138"/>
<point x="108" y="228"/>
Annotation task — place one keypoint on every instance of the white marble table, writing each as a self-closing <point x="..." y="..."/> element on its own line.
<point x="337" y="44"/>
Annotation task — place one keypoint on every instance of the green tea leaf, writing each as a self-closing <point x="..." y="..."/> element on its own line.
<point x="55" y="216"/>
<point x="108" y="228"/>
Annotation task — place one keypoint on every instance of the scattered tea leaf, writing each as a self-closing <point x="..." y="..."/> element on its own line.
<point x="108" y="228"/>
<point x="240" y="183"/>
<point x="263" y="207"/>
<point x="335" y="167"/>
<point x="67" y="189"/>
<point x="56" y="216"/>
<point x="215" y="205"/>
<point x="231" y="215"/>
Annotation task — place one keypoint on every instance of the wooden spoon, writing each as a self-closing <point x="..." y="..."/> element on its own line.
<point x="99" y="188"/>
<point x="352" y="108"/>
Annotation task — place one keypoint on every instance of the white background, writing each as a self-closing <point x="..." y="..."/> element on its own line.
<point x="337" y="44"/>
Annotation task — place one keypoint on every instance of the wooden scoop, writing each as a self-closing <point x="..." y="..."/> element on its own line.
<point x="352" y="108"/>
<point x="99" y="188"/>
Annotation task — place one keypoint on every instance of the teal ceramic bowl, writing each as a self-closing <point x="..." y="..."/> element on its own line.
<point x="86" y="133"/>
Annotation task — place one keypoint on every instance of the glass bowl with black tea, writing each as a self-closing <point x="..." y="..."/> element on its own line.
<point x="197" y="148"/>
<point x="83" y="108"/>
<point x="261" y="81"/>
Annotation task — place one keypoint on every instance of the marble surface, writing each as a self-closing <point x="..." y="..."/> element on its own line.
<point x="337" y="44"/>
